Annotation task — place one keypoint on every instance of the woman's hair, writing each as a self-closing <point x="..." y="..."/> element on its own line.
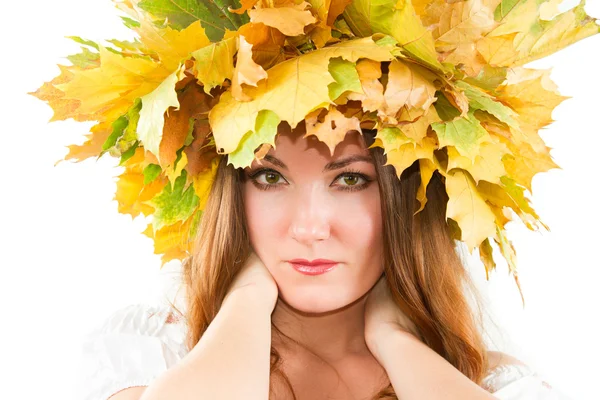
<point x="423" y="269"/>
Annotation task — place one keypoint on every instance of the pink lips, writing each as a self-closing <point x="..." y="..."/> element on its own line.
<point x="315" y="267"/>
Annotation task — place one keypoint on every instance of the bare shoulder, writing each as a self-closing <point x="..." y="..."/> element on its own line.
<point x="134" y="393"/>
<point x="497" y="358"/>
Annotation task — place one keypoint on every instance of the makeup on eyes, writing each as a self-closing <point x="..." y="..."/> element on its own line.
<point x="253" y="175"/>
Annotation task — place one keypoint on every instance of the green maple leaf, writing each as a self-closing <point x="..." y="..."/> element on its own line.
<point x="213" y="15"/>
<point x="175" y="203"/>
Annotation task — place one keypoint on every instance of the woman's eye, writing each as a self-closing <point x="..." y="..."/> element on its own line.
<point x="271" y="177"/>
<point x="350" y="180"/>
<point x="267" y="179"/>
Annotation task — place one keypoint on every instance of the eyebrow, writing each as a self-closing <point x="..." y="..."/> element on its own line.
<point x="333" y="165"/>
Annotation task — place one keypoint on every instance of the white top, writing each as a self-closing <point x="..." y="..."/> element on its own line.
<point x="139" y="342"/>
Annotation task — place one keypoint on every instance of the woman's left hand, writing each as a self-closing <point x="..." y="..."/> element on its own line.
<point x="383" y="316"/>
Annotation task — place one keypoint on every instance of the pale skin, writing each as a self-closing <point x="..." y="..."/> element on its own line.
<point x="348" y="338"/>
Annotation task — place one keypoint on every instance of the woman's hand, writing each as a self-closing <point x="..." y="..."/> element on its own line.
<point x="383" y="316"/>
<point x="254" y="282"/>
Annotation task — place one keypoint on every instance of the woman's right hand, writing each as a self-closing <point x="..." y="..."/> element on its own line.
<point x="254" y="282"/>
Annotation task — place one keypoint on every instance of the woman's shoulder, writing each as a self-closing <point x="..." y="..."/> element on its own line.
<point x="129" y="348"/>
<point x="509" y="378"/>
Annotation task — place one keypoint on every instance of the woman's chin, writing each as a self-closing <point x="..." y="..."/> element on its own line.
<point x="312" y="304"/>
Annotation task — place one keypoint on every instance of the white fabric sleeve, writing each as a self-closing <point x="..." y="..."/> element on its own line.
<point x="519" y="382"/>
<point x="131" y="348"/>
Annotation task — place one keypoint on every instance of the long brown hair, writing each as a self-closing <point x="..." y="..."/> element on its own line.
<point x="423" y="269"/>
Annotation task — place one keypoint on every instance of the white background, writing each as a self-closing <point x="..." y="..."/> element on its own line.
<point x="68" y="258"/>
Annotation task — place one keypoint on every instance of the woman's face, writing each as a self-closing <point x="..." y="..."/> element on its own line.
<point x="302" y="203"/>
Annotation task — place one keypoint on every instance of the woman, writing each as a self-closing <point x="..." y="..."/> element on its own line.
<point x="309" y="315"/>
<point x="324" y="264"/>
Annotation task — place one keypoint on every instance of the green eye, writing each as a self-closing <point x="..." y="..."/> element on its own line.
<point x="271" y="177"/>
<point x="351" y="180"/>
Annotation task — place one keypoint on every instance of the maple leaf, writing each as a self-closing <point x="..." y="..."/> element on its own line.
<point x="293" y="89"/>
<point x="129" y="79"/>
<point x="508" y="193"/>
<point x="524" y="163"/>
<point x="180" y="126"/>
<point x="391" y="138"/>
<point x="132" y="192"/>
<point x="333" y="129"/>
<point x="426" y="168"/>
<point x="415" y="123"/>
<point x="479" y="100"/>
<point x="176" y="202"/>
<point x="263" y="133"/>
<point x="170" y="45"/>
<point x="154" y="106"/>
<point x="464" y="133"/>
<point x="201" y="152"/>
<point x="203" y="182"/>
<point x="408" y="85"/>
<point x="214" y="16"/>
<point x="532" y="94"/>
<point x="486" y="256"/>
<point x="397" y="19"/>
<point x="468" y="208"/>
<point x="214" y="63"/>
<point x="371" y="95"/>
<point x="246" y="71"/>
<point x="267" y="43"/>
<point x="92" y="147"/>
<point x="346" y="77"/>
<point x="487" y="165"/>
<point x="174" y="241"/>
<point x="289" y="19"/>
<point x="534" y="37"/>
<point x="407" y="154"/>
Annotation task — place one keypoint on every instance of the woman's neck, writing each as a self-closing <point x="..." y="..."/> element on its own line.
<point x="332" y="336"/>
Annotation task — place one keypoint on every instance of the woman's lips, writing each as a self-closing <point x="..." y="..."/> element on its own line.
<point x="315" y="267"/>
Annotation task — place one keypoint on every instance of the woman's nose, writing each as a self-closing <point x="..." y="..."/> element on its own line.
<point x="310" y="220"/>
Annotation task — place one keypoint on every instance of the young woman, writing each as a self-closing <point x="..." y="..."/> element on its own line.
<point x="323" y="263"/>
<point x="308" y="266"/>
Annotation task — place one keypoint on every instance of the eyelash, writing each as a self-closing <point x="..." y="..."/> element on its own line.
<point x="262" y="186"/>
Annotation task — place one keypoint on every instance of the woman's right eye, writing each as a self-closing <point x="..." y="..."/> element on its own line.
<point x="266" y="179"/>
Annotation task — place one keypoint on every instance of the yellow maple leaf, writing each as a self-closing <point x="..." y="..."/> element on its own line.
<point x="415" y="123"/>
<point x="524" y="163"/>
<point x="426" y="168"/>
<point x="333" y="129"/>
<point x="408" y="153"/>
<point x="467" y="207"/>
<point x="154" y="105"/>
<point x="129" y="79"/>
<point x="289" y="20"/>
<point x="172" y="46"/>
<point x="536" y="38"/>
<point x="64" y="108"/>
<point x="173" y="241"/>
<point x="487" y="165"/>
<point x="132" y="194"/>
<point x="214" y="63"/>
<point x="246" y="71"/>
<point x="532" y="94"/>
<point x="408" y="85"/>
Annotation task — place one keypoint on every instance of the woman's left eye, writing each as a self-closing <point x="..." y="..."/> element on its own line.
<point x="351" y="181"/>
